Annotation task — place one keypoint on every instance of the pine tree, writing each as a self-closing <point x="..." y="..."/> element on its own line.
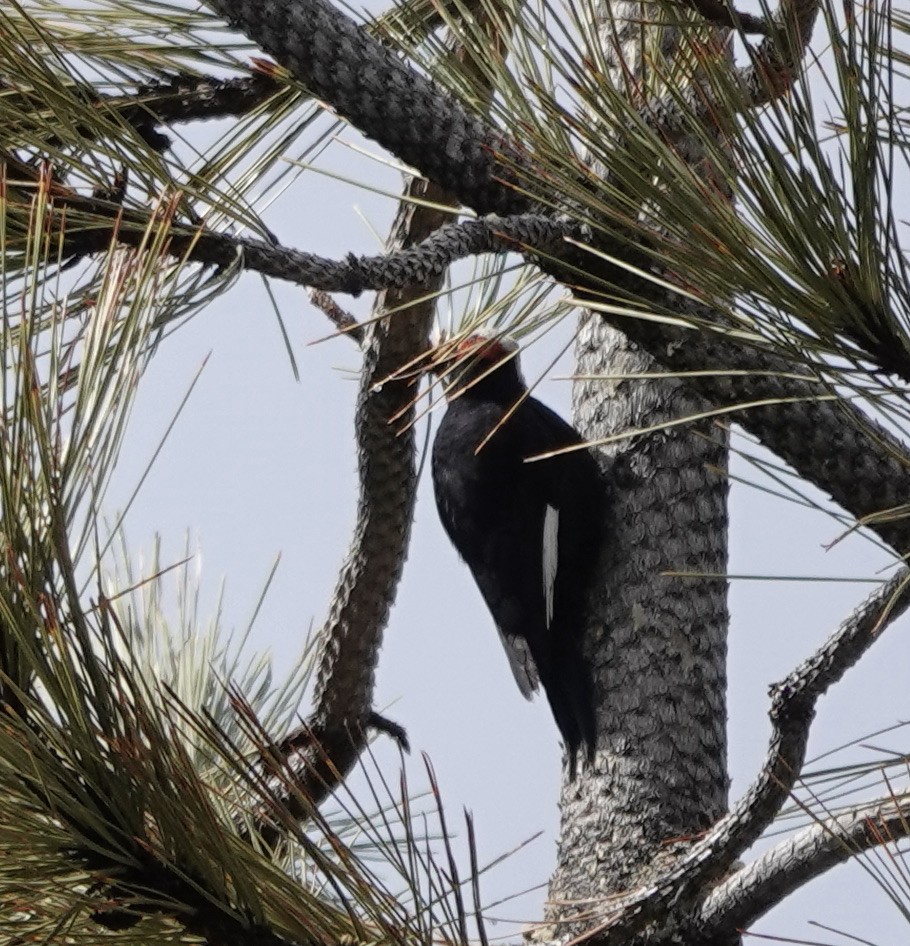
<point x="731" y="256"/>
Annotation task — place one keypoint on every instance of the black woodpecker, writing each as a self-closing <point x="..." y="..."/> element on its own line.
<point x="529" y="532"/>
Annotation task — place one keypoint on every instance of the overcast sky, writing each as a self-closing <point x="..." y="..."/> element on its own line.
<point x="260" y="464"/>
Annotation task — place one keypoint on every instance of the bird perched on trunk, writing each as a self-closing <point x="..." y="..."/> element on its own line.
<point x="529" y="531"/>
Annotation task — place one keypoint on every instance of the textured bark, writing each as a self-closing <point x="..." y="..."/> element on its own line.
<point x="386" y="458"/>
<point x="746" y="896"/>
<point x="388" y="483"/>
<point x="368" y="580"/>
<point x="830" y="442"/>
<point x="666" y="901"/>
<point x="860" y="465"/>
<point x="386" y="462"/>
<point x="382" y="96"/>
<point x="657" y="642"/>
<point x="865" y="469"/>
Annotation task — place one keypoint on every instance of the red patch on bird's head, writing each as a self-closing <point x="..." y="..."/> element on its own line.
<point x="485" y="348"/>
<point x="461" y="363"/>
<point x="478" y="347"/>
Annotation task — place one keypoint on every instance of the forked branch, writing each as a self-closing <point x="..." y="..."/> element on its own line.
<point x="773" y="69"/>
<point x="745" y="896"/>
<point x="792" y="710"/>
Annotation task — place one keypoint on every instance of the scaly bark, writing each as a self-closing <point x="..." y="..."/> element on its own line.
<point x="368" y="580"/>
<point x="657" y="642"/>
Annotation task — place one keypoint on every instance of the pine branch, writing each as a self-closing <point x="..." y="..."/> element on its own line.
<point x="829" y="441"/>
<point x="869" y="469"/>
<point x="174" y="100"/>
<point x="792" y="710"/>
<point x="744" y="897"/>
<point x="339" y="62"/>
<point x="367" y="84"/>
<point x="132" y="876"/>
<point x="316" y="43"/>
<point x="321" y="753"/>
<point x="871" y="472"/>
<point x="168" y="101"/>
<point x="367" y="582"/>
<point x="412" y="264"/>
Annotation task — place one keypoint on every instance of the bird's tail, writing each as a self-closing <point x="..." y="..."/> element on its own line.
<point x="570" y="692"/>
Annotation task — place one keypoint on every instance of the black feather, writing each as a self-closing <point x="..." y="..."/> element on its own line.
<point x="493" y="505"/>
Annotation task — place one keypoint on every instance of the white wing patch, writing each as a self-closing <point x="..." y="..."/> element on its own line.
<point x="550" y="557"/>
<point x="521" y="663"/>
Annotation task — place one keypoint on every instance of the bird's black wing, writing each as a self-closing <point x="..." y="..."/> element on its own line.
<point x="506" y="567"/>
<point x="488" y="509"/>
<point x="570" y="486"/>
<point x="528" y="532"/>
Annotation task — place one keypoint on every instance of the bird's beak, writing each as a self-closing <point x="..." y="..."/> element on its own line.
<point x="439" y="362"/>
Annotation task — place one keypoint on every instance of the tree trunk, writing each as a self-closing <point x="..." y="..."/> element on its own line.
<point x="657" y="642"/>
